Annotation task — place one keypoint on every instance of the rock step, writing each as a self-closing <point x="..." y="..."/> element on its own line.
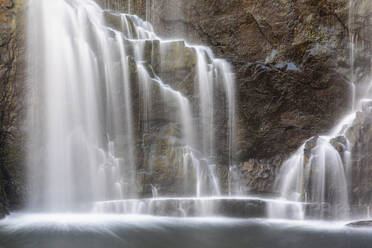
<point x="237" y="207"/>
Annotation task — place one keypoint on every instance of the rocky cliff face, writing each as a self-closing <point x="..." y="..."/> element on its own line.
<point x="287" y="63"/>
<point x="291" y="60"/>
<point x="11" y="107"/>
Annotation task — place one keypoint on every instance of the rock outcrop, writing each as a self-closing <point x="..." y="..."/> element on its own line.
<point x="292" y="65"/>
<point x="12" y="60"/>
<point x="360" y="138"/>
<point x="160" y="148"/>
<point x="290" y="85"/>
<point x="294" y="71"/>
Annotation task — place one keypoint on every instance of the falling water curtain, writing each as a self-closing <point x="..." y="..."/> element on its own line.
<point x="142" y="8"/>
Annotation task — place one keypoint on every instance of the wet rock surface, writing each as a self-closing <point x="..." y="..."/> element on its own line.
<point x="287" y="64"/>
<point x="11" y="101"/>
<point x="366" y="223"/>
<point x="360" y="137"/>
<point x="292" y="67"/>
<point x="293" y="70"/>
<point x="258" y="175"/>
<point x="188" y="207"/>
<point x="290" y="82"/>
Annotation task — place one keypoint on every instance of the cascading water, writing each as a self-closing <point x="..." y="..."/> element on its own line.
<point x="95" y="96"/>
<point x="108" y="136"/>
<point x="319" y="176"/>
<point x="316" y="174"/>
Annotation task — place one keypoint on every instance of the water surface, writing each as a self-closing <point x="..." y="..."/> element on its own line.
<point x="114" y="231"/>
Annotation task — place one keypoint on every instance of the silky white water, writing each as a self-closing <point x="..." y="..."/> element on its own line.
<point x="93" y="96"/>
<point x="320" y="171"/>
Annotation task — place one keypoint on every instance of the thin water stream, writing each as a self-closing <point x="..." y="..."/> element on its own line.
<point x="96" y="94"/>
<point x="320" y="172"/>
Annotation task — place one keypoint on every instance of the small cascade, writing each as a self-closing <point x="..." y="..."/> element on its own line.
<point x="115" y="120"/>
<point x="230" y="206"/>
<point x="234" y="181"/>
<point x="205" y="75"/>
<point x="129" y="6"/>
<point x="324" y="171"/>
<point x="155" y="193"/>
<point x="119" y="5"/>
<point x="315" y="174"/>
<point x="196" y="176"/>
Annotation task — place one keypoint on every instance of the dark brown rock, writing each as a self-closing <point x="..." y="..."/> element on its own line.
<point x="293" y="73"/>
<point x="258" y="175"/>
<point x="12" y="90"/>
<point x="360" y="137"/>
<point x="287" y="63"/>
<point x="361" y="224"/>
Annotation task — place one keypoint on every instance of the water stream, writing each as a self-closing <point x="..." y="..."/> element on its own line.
<point x="97" y="231"/>
<point x="97" y="93"/>
<point x="116" y="137"/>
<point x="320" y="172"/>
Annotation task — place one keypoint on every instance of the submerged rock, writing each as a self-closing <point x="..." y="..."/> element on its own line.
<point x="365" y="223"/>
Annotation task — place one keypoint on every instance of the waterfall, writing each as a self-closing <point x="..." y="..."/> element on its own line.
<point x="315" y="174"/>
<point x="95" y="96"/>
<point x="319" y="175"/>
<point x="352" y="41"/>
